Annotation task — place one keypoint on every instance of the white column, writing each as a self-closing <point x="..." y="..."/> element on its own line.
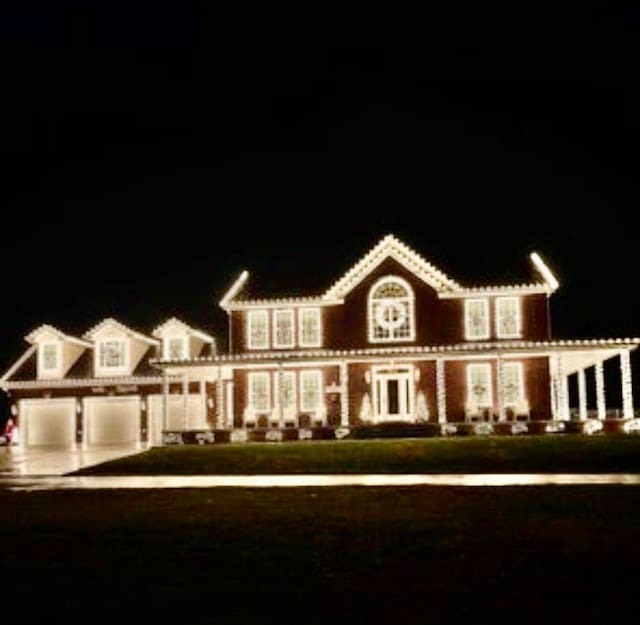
<point x="279" y="397"/>
<point x="502" y="415"/>
<point x="203" y="403"/>
<point x="562" y="390"/>
<point x="600" y="392"/>
<point x="627" y="392"/>
<point x="344" y="395"/>
<point x="553" y="385"/>
<point x="185" y="400"/>
<point x="441" y="391"/>
<point x="219" y="399"/>
<point x="582" y="395"/>
<point x="165" y="400"/>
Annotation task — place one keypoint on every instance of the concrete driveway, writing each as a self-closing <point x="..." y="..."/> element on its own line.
<point x="15" y="461"/>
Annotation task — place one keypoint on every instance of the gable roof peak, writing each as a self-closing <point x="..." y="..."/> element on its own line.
<point x="32" y="337"/>
<point x="110" y="321"/>
<point x="392" y="247"/>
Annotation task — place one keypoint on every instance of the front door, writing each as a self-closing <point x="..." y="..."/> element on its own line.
<point x="393" y="394"/>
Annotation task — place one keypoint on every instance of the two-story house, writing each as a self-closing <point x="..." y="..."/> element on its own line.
<point x="393" y="339"/>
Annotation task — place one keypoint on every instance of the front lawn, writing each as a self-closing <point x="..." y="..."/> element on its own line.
<point x="378" y="556"/>
<point x="491" y="454"/>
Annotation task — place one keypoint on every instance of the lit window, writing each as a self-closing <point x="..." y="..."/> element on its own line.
<point x="49" y="356"/>
<point x="283" y="328"/>
<point x="476" y="319"/>
<point x="479" y="384"/>
<point x="259" y="392"/>
<point x="309" y="327"/>
<point x="508" y="317"/>
<point x="512" y="386"/>
<point x="310" y="390"/>
<point x="258" y="329"/>
<point x="391" y="305"/>
<point x="285" y="382"/>
<point x="112" y="354"/>
<point x="176" y="348"/>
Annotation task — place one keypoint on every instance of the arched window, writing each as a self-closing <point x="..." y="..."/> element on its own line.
<point x="391" y="311"/>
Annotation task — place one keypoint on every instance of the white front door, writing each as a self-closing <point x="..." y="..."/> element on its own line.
<point x="393" y="394"/>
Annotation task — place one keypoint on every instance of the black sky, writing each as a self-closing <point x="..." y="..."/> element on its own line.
<point x="151" y="152"/>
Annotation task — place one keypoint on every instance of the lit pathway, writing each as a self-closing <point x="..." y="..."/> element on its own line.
<point x="288" y="481"/>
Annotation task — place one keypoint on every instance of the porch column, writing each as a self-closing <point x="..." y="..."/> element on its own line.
<point x="582" y="395"/>
<point x="344" y="396"/>
<point x="627" y="393"/>
<point x="203" y="403"/>
<point x="279" y="397"/>
<point x="562" y="389"/>
<point x="600" y="396"/>
<point x="441" y="391"/>
<point x="219" y="399"/>
<point x="502" y="416"/>
<point x="165" y="400"/>
<point x="185" y="401"/>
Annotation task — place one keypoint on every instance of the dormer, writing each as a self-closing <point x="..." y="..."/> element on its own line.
<point x="181" y="342"/>
<point x="117" y="348"/>
<point x="56" y="351"/>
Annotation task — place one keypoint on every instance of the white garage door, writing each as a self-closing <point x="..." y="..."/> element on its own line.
<point x="195" y="417"/>
<point x="112" y="420"/>
<point x="49" y="422"/>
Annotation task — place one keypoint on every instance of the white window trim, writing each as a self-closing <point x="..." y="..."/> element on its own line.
<point x="470" y="396"/>
<point x="467" y="319"/>
<point x="166" y="345"/>
<point x="106" y="370"/>
<point x="318" y="316"/>
<point x="518" y="332"/>
<point x="317" y="374"/>
<point x="50" y="372"/>
<point x="254" y="314"/>
<point x="277" y="314"/>
<point x="410" y="299"/>
<point x="253" y="376"/>
<point x="520" y="376"/>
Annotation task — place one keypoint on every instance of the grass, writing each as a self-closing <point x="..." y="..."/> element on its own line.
<point x="495" y="454"/>
<point x="340" y="555"/>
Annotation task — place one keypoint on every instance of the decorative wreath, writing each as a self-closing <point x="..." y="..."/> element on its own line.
<point x="391" y="315"/>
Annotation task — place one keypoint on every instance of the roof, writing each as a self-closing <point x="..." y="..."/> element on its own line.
<point x="391" y="247"/>
<point x="174" y="322"/>
<point x="110" y="322"/>
<point x="32" y="337"/>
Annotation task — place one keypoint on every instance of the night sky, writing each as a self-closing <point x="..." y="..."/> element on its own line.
<point x="152" y="152"/>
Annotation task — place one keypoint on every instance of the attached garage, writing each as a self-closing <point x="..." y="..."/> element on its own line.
<point x="112" y="420"/>
<point x="48" y="422"/>
<point x="194" y="419"/>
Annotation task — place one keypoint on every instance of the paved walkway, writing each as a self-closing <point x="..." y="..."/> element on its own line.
<point x="15" y="461"/>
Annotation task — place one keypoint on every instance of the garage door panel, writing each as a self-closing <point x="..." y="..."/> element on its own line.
<point x="113" y="422"/>
<point x="49" y="423"/>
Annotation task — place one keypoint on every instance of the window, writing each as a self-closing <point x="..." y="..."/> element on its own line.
<point x="476" y="319"/>
<point x="258" y="329"/>
<point x="111" y="354"/>
<point x="479" y="385"/>
<point x="508" y="317"/>
<point x="512" y="386"/>
<point x="309" y="327"/>
<point x="283" y="328"/>
<point x="310" y="390"/>
<point x="287" y="392"/>
<point x="259" y="392"/>
<point x="49" y="356"/>
<point x="176" y="348"/>
<point x="391" y="304"/>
